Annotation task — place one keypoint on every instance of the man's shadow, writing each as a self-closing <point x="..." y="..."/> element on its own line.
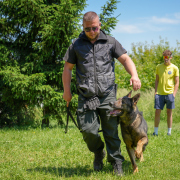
<point x="79" y="170"/>
<point x="64" y="171"/>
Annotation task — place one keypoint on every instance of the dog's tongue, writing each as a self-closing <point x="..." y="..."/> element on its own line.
<point x="114" y="112"/>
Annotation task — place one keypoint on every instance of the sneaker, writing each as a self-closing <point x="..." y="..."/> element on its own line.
<point x="169" y="134"/>
<point x="154" y="134"/>
<point x="98" y="160"/>
<point x="117" y="166"/>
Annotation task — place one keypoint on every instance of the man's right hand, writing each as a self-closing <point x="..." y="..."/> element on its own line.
<point x="67" y="97"/>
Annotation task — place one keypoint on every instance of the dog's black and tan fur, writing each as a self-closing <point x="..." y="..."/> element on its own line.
<point x="133" y="126"/>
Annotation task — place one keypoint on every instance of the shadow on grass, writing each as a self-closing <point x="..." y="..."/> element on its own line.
<point x="79" y="170"/>
<point x="127" y="168"/>
<point x="64" y="171"/>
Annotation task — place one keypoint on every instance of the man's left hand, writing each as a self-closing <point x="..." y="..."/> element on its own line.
<point x="135" y="81"/>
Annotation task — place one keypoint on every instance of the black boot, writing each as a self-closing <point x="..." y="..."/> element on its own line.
<point x="117" y="166"/>
<point x="98" y="160"/>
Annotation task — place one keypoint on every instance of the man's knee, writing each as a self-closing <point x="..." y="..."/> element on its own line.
<point x="93" y="141"/>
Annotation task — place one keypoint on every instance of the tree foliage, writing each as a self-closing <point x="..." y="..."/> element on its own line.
<point x="34" y="37"/>
<point x="107" y="20"/>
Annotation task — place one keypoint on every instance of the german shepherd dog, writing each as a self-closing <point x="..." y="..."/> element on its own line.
<point x="133" y="126"/>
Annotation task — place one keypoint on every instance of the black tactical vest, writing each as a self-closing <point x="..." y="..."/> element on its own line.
<point x="95" y="65"/>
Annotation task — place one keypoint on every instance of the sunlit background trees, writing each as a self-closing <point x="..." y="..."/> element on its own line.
<point x="34" y="36"/>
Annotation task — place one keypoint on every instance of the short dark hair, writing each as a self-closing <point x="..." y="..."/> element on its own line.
<point x="89" y="16"/>
<point x="167" y="53"/>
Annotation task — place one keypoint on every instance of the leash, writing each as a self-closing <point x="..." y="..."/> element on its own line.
<point x="69" y="114"/>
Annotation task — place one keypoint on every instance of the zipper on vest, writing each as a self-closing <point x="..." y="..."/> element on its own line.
<point x="95" y="78"/>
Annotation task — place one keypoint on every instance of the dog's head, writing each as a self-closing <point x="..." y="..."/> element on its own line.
<point x="124" y="105"/>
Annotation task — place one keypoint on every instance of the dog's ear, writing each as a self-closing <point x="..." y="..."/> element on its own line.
<point x="129" y="94"/>
<point x="136" y="98"/>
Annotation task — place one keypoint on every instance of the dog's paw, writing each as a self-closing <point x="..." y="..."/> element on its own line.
<point x="135" y="170"/>
<point x="141" y="159"/>
<point x="138" y="154"/>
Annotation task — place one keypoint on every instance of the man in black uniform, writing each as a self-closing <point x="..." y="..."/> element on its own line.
<point x="93" y="54"/>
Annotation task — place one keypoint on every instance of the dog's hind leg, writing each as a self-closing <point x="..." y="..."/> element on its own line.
<point x="132" y="158"/>
<point x="140" y="148"/>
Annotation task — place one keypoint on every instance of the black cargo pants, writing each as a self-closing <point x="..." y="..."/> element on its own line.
<point x="89" y="123"/>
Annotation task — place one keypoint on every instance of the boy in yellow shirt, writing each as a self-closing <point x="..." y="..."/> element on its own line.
<point x="166" y="86"/>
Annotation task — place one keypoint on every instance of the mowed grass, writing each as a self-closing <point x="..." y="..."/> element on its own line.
<point x="52" y="154"/>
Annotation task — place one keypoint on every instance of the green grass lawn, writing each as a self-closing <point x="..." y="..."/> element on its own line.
<point x="49" y="153"/>
<point x="52" y="154"/>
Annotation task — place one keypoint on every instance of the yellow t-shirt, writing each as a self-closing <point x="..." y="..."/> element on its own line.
<point x="167" y="76"/>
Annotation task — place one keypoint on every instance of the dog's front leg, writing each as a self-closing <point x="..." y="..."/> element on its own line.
<point x="132" y="158"/>
<point x="139" y="149"/>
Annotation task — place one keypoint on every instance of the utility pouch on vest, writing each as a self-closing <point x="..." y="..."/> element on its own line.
<point x="92" y="103"/>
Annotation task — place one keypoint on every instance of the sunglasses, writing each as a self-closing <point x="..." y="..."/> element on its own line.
<point x="166" y="57"/>
<point x="88" y="29"/>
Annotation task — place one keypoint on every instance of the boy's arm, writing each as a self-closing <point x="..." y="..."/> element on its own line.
<point x="156" y="83"/>
<point x="176" y="85"/>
